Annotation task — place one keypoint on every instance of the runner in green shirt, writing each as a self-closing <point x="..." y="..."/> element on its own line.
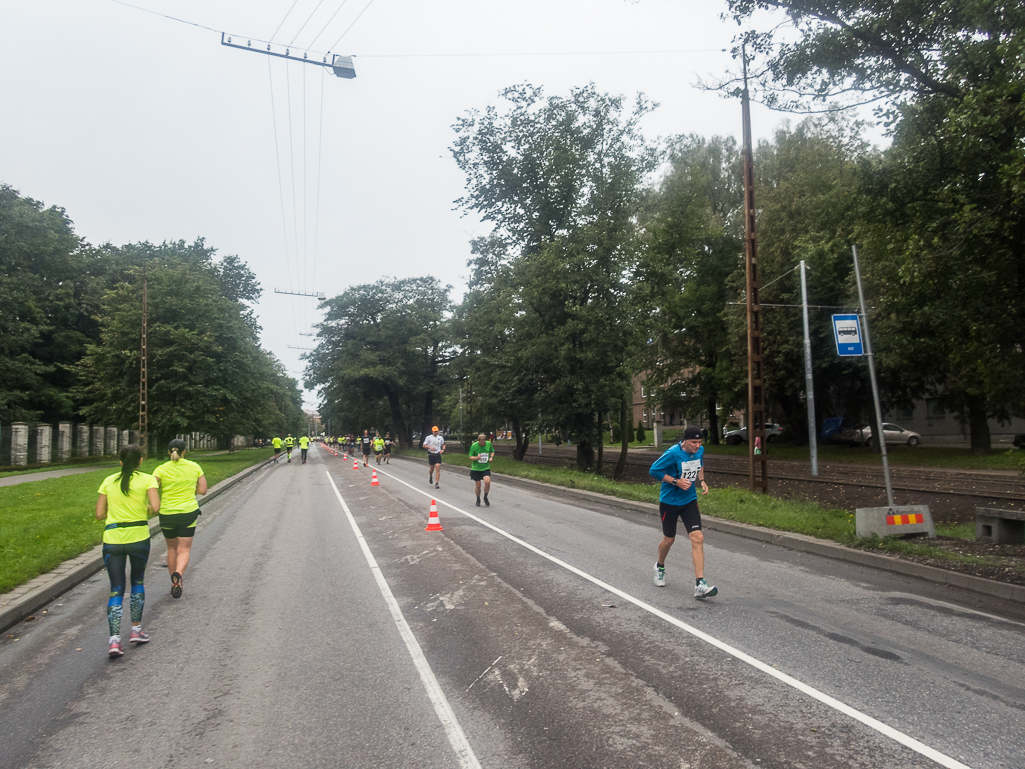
<point x="277" y="448"/>
<point x="481" y="454"/>
<point x="124" y="501"/>
<point x="180" y="480"/>
<point x="378" y="447"/>
<point x="304" y="447"/>
<point x="289" y="443"/>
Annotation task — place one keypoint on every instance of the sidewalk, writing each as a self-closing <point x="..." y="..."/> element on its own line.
<point x="14" y="480"/>
<point x="26" y="599"/>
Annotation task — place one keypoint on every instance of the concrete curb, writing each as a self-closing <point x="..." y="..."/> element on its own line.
<point x="29" y="598"/>
<point x="802" y="543"/>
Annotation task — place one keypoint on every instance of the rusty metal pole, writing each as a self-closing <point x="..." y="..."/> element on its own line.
<point x="144" y="377"/>
<point x="756" y="444"/>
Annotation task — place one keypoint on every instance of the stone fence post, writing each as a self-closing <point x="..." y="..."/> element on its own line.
<point x="97" y="443"/>
<point x="83" y="440"/>
<point x="63" y="441"/>
<point x="111" y="441"/>
<point x="44" y="439"/>
<point x="19" y="443"/>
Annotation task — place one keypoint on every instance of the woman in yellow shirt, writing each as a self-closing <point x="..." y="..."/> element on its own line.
<point x="180" y="481"/>
<point x="124" y="500"/>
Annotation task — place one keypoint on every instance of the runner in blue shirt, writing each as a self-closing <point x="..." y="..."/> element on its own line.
<point x="681" y="470"/>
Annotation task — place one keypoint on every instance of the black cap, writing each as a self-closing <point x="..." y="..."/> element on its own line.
<point x="692" y="433"/>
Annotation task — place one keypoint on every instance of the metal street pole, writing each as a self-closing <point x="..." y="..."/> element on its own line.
<point x="144" y="375"/>
<point x="809" y="384"/>
<point x="875" y="387"/>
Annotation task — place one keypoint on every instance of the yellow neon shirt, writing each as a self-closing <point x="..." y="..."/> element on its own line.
<point x="277" y="443"/>
<point x="304" y="442"/>
<point x="178" y="486"/>
<point x="123" y="508"/>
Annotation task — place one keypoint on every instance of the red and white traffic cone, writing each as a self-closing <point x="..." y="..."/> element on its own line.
<point x="354" y="465"/>
<point x="373" y="479"/>
<point x="433" y="522"/>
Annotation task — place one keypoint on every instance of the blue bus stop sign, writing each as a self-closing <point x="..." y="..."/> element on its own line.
<point x="847" y="332"/>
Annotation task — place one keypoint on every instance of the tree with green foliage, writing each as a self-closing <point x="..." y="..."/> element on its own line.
<point x="693" y="238"/>
<point x="207" y="372"/>
<point x="641" y="432"/>
<point x="550" y="297"/>
<point x="50" y="284"/>
<point x="383" y="347"/>
<point x="945" y="252"/>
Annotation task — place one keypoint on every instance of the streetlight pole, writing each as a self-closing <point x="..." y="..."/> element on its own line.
<point x="809" y="384"/>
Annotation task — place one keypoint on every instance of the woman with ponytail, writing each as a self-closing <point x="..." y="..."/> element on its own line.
<point x="180" y="481"/>
<point x="125" y="500"/>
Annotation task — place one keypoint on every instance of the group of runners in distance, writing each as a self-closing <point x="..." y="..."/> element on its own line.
<point x="127" y="496"/>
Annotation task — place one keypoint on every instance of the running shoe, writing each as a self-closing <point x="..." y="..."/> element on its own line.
<point x="138" y="637"/>
<point x="115" y="649"/>
<point x="704" y="590"/>
<point x="176" y="585"/>
<point x="486" y="501"/>
<point x="437" y="485"/>
<point x="478" y="501"/>
<point x="660" y="576"/>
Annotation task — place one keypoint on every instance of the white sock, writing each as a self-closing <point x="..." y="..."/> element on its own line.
<point x="115" y="639"/>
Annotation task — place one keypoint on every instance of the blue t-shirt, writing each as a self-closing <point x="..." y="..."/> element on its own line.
<point x="679" y="464"/>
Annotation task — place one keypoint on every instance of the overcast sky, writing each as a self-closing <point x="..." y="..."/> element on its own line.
<point x="145" y="128"/>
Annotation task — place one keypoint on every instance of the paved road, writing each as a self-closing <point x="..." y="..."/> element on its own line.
<point x="527" y="634"/>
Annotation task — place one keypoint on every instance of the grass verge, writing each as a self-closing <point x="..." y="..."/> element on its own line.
<point x="44" y="523"/>
<point x="742" y="506"/>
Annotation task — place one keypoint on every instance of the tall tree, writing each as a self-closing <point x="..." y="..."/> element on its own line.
<point x="559" y="178"/>
<point x="388" y="340"/>
<point x="949" y="241"/>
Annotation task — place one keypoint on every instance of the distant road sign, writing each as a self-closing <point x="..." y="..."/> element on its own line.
<point x="847" y="332"/>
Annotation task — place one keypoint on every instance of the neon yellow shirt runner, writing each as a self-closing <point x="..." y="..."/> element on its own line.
<point x="277" y="443"/>
<point x="124" y="508"/>
<point x="304" y="442"/>
<point x="378" y="444"/>
<point x="178" y="486"/>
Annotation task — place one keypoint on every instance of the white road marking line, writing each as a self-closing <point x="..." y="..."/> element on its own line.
<point x="454" y="732"/>
<point x="887" y="731"/>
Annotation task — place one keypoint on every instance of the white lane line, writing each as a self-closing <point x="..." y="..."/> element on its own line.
<point x="454" y="732"/>
<point x="887" y="731"/>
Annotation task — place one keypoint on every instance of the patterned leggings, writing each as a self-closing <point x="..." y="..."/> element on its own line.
<point x="115" y="558"/>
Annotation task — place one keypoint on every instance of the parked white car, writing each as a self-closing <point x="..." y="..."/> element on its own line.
<point x="891" y="433"/>
<point x="735" y="437"/>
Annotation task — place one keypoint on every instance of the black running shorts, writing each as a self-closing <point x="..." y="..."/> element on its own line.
<point x="672" y="513"/>
<point x="178" y="524"/>
<point x="479" y="475"/>
<point x="434" y="459"/>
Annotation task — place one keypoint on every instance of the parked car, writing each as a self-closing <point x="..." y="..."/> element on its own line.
<point x="862" y="435"/>
<point x="735" y="437"/>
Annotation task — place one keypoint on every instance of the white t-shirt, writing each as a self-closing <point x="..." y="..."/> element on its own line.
<point x="434" y="444"/>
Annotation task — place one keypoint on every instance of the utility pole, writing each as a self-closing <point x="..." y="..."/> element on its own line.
<point x="144" y="376"/>
<point x="756" y="443"/>
<point x="809" y="383"/>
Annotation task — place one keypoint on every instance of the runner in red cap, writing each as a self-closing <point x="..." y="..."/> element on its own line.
<point x="435" y="446"/>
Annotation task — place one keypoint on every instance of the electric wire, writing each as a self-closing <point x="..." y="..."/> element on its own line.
<point x="281" y="189"/>
<point x="351" y="25"/>
<point x="283" y="20"/>
<point x="291" y="158"/>
<point x="308" y="19"/>
<point x="320" y="150"/>
<point x="324" y="28"/>
<point x="164" y="15"/>
<point x="306" y="208"/>
<point x="531" y="53"/>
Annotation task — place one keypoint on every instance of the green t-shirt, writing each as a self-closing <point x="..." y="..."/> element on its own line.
<point x="304" y="442"/>
<point x="277" y="443"/>
<point x="178" y="486"/>
<point x="124" y="508"/>
<point x="289" y="441"/>
<point x="378" y="444"/>
<point x="476" y="450"/>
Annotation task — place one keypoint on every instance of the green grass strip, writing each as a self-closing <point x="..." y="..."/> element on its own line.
<point x="44" y="523"/>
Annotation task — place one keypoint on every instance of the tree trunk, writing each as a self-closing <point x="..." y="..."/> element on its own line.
<point x="978" y="426"/>
<point x="425" y="428"/>
<point x="522" y="440"/>
<point x="585" y="453"/>
<point x="713" y="422"/>
<point x="601" y="447"/>
<point x="624" y="438"/>
<point x="402" y="431"/>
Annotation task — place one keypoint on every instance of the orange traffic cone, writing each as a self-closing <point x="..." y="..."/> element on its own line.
<point x="373" y="479"/>
<point x="345" y="455"/>
<point x="354" y="466"/>
<point x="433" y="522"/>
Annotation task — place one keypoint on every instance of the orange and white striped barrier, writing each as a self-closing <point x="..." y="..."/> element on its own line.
<point x="354" y="465"/>
<point x="373" y="479"/>
<point x="433" y="522"/>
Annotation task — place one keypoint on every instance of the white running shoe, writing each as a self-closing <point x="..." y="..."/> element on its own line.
<point x="704" y="590"/>
<point x="660" y="576"/>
